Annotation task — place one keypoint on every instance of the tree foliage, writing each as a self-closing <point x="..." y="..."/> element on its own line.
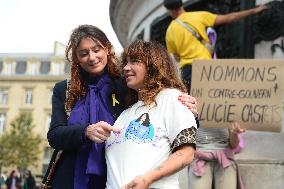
<point x="19" y="146"/>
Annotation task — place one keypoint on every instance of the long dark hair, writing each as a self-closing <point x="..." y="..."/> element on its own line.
<point x="146" y="122"/>
<point x="12" y="173"/>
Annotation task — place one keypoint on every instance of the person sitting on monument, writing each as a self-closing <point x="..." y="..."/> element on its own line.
<point x="186" y="37"/>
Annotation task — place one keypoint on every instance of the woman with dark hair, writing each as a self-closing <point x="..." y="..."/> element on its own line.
<point x="140" y="128"/>
<point x="29" y="181"/>
<point x="13" y="181"/>
<point x="83" y="110"/>
<point x="134" y="162"/>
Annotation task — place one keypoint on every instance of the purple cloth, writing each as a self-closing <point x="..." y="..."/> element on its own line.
<point x="212" y="35"/>
<point x="91" y="109"/>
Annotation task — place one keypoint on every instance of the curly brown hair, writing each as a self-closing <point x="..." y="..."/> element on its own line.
<point x="161" y="70"/>
<point x="78" y="82"/>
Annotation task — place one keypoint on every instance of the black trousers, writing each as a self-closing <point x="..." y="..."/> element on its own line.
<point x="186" y="76"/>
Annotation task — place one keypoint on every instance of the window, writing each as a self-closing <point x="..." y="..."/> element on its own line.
<point x="33" y="68"/>
<point x="44" y="67"/>
<point x="9" y="69"/>
<point x="29" y="96"/>
<point x="21" y="67"/>
<point x="3" y="96"/>
<point x="2" y="122"/>
<point x="57" y="68"/>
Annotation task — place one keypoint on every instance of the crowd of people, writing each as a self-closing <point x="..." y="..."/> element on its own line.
<point x="17" y="181"/>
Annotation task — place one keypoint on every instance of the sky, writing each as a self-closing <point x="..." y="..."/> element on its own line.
<point x="32" y="26"/>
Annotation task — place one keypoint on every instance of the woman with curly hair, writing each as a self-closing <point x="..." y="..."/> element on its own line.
<point x="134" y="162"/>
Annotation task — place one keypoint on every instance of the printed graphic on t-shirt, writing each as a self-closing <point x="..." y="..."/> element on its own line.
<point x="140" y="130"/>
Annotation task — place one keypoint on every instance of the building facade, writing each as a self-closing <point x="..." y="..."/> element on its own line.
<point x="26" y="84"/>
<point x="260" y="36"/>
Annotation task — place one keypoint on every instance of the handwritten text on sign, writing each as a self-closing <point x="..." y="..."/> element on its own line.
<point x="247" y="91"/>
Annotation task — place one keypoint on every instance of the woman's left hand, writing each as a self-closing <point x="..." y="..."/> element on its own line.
<point x="190" y="102"/>
<point x="139" y="182"/>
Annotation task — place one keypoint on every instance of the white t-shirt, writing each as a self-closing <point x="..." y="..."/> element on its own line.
<point x="145" y="139"/>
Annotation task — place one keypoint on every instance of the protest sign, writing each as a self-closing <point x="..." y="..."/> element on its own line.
<point x="248" y="91"/>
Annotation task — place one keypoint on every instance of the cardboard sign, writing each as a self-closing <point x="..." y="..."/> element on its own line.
<point x="247" y="91"/>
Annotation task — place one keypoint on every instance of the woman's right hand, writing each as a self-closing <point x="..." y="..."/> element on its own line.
<point x="236" y="129"/>
<point x="100" y="131"/>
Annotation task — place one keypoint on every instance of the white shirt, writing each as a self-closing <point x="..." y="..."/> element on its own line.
<point x="144" y="145"/>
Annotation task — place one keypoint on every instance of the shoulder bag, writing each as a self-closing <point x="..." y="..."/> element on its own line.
<point x="208" y="46"/>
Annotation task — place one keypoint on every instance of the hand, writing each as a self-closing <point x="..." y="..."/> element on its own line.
<point x="139" y="182"/>
<point x="260" y="8"/>
<point x="236" y="128"/>
<point x="100" y="131"/>
<point x="190" y="102"/>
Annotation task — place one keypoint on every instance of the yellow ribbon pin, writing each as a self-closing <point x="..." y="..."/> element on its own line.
<point x="114" y="101"/>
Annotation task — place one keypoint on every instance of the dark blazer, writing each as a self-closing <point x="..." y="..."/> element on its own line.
<point x="69" y="139"/>
<point x="29" y="183"/>
<point x="9" y="181"/>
